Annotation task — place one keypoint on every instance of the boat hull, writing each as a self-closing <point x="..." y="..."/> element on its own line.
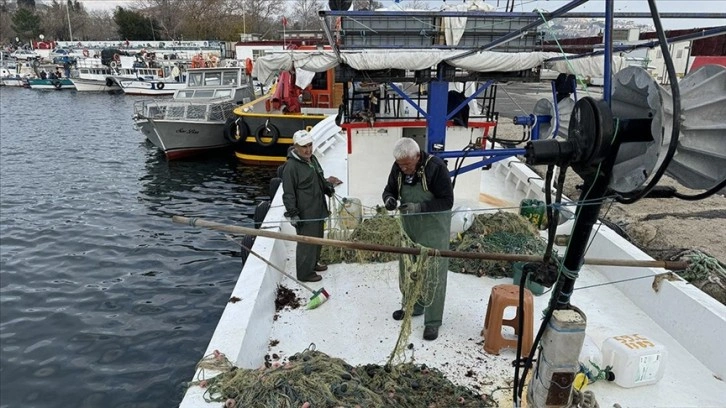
<point x="13" y="81"/>
<point x="91" y="85"/>
<point x="52" y="84"/>
<point x="251" y="148"/>
<point x="152" y="88"/>
<point x="180" y="140"/>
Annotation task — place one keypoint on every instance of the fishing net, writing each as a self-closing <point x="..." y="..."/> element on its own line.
<point x="500" y="232"/>
<point x="380" y="229"/>
<point x="314" y="379"/>
<point x="319" y="380"/>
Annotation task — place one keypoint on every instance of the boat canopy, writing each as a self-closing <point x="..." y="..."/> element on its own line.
<point x="268" y="66"/>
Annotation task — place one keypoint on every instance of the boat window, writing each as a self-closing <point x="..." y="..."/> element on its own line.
<point x="213" y="78"/>
<point x="229" y="78"/>
<point x="223" y="93"/>
<point x="320" y="81"/>
<point x="196" y="111"/>
<point x="185" y="94"/>
<point x="204" y="93"/>
<point x="195" y="79"/>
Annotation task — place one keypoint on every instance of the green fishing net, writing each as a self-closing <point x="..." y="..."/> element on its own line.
<point x="500" y="232"/>
<point x="319" y="380"/>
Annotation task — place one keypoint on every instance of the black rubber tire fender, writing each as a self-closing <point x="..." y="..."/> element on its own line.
<point x="159" y="85"/>
<point x="57" y="84"/>
<point x="236" y="136"/>
<point x="109" y="81"/>
<point x="268" y="130"/>
<point x="247" y="241"/>
<point x="260" y="213"/>
<point x="274" y="186"/>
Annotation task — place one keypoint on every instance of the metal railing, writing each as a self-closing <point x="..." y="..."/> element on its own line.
<point x="206" y="111"/>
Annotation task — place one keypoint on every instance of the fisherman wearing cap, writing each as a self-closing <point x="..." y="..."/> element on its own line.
<point x="421" y="183"/>
<point x="304" y="189"/>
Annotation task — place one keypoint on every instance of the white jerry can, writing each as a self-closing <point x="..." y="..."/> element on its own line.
<point x="635" y="359"/>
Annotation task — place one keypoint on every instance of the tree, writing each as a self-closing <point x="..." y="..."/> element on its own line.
<point x="305" y="14"/>
<point x="133" y="25"/>
<point x="417" y="5"/>
<point x="30" y="4"/>
<point x="101" y="26"/>
<point x="26" y="23"/>
<point x="367" y="5"/>
<point x="261" y="16"/>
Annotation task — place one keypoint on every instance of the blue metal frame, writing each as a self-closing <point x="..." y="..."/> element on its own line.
<point x="494" y="156"/>
<point x="607" y="86"/>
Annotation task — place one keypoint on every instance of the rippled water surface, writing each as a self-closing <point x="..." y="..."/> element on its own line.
<point x="104" y="302"/>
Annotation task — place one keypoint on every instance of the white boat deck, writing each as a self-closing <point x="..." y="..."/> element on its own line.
<point x="355" y="324"/>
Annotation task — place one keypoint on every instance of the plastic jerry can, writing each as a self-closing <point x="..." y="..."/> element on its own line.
<point x="635" y="359"/>
<point x="350" y="213"/>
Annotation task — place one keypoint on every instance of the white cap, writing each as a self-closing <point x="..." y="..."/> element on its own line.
<point x="302" y="137"/>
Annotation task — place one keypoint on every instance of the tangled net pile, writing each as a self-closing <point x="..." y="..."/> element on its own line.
<point x="319" y="380"/>
<point x="500" y="232"/>
<point x="380" y="229"/>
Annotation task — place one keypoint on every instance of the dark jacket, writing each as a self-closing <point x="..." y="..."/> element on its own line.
<point x="304" y="188"/>
<point x="437" y="180"/>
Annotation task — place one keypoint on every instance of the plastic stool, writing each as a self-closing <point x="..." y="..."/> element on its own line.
<point x="501" y="297"/>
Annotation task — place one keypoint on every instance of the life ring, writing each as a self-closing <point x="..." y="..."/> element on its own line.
<point x="159" y="85"/>
<point x="116" y="57"/>
<point x="113" y="64"/>
<point x="86" y="53"/>
<point x="57" y="84"/>
<point x="109" y="81"/>
<point x="268" y="130"/>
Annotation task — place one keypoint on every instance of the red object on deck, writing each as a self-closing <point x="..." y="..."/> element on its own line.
<point x="700" y="61"/>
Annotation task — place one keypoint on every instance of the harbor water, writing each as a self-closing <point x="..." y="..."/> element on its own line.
<point x="104" y="302"/>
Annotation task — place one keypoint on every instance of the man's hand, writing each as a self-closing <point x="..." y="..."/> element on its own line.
<point x="391" y="203"/>
<point x="294" y="221"/>
<point x="410" y="208"/>
<point x="334" y="180"/>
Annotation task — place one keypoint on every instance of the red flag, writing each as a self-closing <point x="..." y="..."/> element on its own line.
<point x="284" y="21"/>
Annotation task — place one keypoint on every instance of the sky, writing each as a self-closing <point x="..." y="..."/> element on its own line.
<point x="672" y="6"/>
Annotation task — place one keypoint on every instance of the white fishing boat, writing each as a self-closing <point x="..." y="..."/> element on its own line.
<point x="92" y="75"/>
<point x="152" y="87"/>
<point x="194" y="120"/>
<point x="9" y="77"/>
<point x="660" y="336"/>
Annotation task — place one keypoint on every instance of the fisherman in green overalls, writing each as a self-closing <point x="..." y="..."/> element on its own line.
<point x="421" y="183"/>
<point x="304" y="189"/>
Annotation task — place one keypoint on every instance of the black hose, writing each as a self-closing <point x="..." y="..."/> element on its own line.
<point x="676" y="96"/>
<point x="516" y="389"/>
<point x="708" y="193"/>
<point x="460" y="161"/>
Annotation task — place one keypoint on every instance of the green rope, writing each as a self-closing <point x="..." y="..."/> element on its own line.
<point x="564" y="55"/>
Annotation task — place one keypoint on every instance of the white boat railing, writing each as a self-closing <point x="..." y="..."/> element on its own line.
<point x="201" y="111"/>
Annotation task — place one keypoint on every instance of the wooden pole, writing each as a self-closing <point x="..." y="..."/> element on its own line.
<point x="196" y="222"/>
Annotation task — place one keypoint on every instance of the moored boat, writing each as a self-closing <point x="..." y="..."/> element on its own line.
<point x="48" y="84"/>
<point x="263" y="133"/>
<point x="194" y="120"/>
